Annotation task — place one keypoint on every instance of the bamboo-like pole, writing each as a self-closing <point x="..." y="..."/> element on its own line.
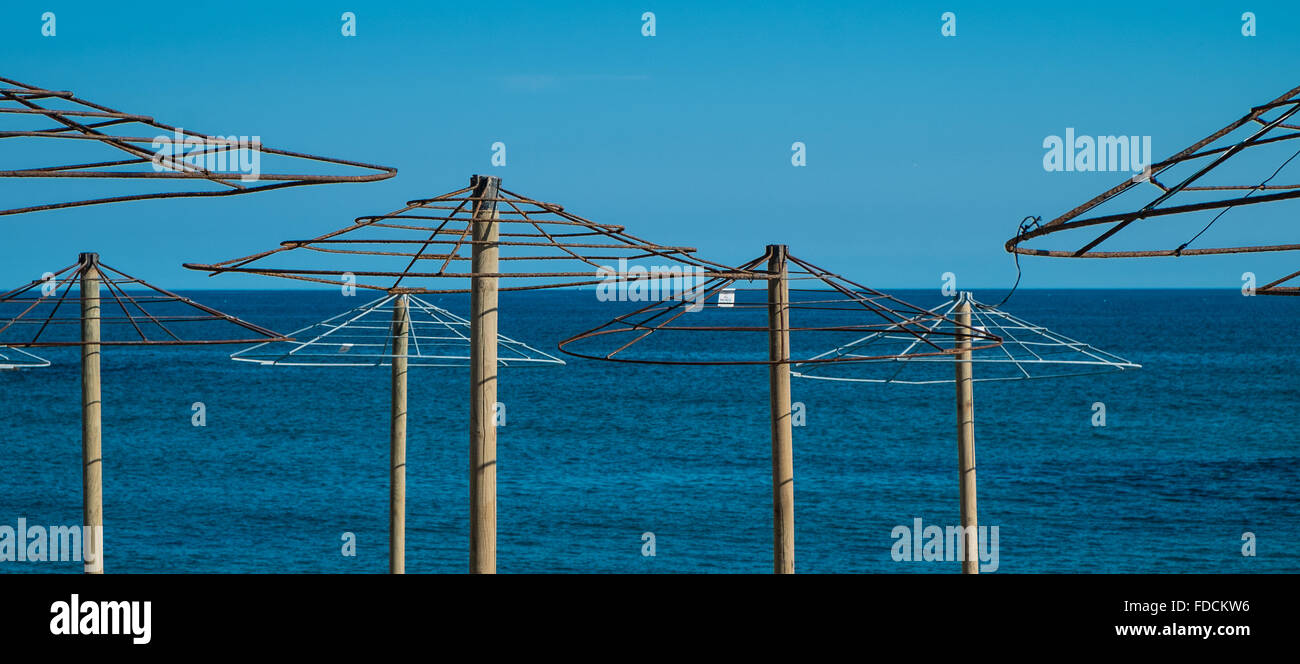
<point x="92" y="466"/>
<point x="778" y="318"/>
<point x="483" y="380"/>
<point x="397" y="440"/>
<point x="966" y="440"/>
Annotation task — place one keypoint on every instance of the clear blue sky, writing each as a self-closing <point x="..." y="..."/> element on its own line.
<point x="923" y="151"/>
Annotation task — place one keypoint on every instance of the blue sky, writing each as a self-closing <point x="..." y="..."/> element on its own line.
<point x="923" y="152"/>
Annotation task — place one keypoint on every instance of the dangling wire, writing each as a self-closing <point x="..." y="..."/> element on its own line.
<point x="1181" y="247"/>
<point x="1027" y="224"/>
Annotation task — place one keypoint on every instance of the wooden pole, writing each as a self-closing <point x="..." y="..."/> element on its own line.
<point x="966" y="440"/>
<point x="483" y="380"/>
<point x="778" y="319"/>
<point x="92" y="466"/>
<point x="397" y="440"/>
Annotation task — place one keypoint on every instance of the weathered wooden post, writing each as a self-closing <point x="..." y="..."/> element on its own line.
<point x="483" y="378"/>
<point x="397" y="439"/>
<point x="966" y="439"/>
<point x="92" y="466"/>
<point x="778" y="319"/>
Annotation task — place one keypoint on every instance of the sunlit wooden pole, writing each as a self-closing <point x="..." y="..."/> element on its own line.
<point x="966" y="439"/>
<point x="483" y="379"/>
<point x="778" y="318"/>
<point x="397" y="440"/>
<point x="92" y="466"/>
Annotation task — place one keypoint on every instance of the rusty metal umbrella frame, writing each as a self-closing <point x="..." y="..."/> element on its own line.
<point x="822" y="291"/>
<point x="432" y="238"/>
<point x="1268" y="124"/>
<point x="77" y="122"/>
<point x="1028" y="352"/>
<point x="862" y="310"/>
<point x="74" y="119"/>
<point x="480" y="234"/>
<point x="136" y="313"/>
<point x="131" y="306"/>
<point x="1272" y="123"/>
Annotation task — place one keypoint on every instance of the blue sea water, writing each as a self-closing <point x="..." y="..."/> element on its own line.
<point x="1200" y="446"/>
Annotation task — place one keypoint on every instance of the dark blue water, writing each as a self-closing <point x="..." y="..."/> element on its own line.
<point x="1200" y="446"/>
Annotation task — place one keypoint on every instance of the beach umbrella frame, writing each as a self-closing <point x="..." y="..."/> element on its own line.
<point x="80" y="120"/>
<point x="466" y="226"/>
<point x="93" y="279"/>
<point x="1268" y="124"/>
<point x="882" y="312"/>
<point x="1025" y="346"/>
<point x="402" y="345"/>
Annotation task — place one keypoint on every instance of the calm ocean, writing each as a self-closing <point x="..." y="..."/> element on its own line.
<point x="1200" y="446"/>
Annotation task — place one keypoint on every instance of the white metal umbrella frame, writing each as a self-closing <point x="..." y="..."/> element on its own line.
<point x="1035" y="351"/>
<point x="363" y="337"/>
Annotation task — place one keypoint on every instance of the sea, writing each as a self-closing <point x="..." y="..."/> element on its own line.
<point x="648" y="468"/>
